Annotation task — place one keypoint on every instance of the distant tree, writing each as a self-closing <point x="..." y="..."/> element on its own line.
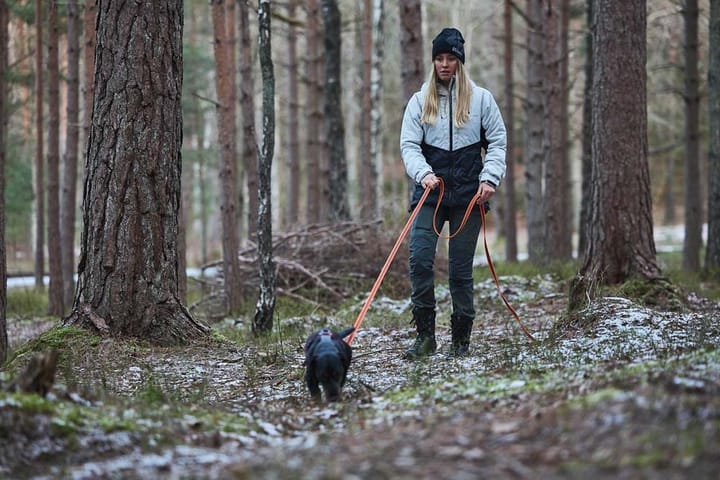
<point x="265" y="307"/>
<point x="228" y="157"/>
<point x="56" y="292"/>
<point x="621" y="244"/>
<point x="247" y="104"/>
<point x="316" y="153"/>
<point x="586" y="162"/>
<point x="367" y="171"/>
<point x="414" y="59"/>
<point x="376" y="71"/>
<point x="692" y="242"/>
<point x="534" y="129"/>
<point x="557" y="238"/>
<point x="293" y="120"/>
<point x="89" y="16"/>
<point x="68" y="202"/>
<point x="128" y="282"/>
<point x="4" y="19"/>
<point x="334" y="124"/>
<point x="39" y="267"/>
<point x="510" y="210"/>
<point x="712" y="256"/>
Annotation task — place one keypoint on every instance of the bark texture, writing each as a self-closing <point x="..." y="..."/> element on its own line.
<point x="128" y="265"/>
<point x="265" y="307"/>
<point x="712" y="257"/>
<point x="621" y="244"/>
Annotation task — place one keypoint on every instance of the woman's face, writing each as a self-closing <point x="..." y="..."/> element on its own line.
<point x="445" y="66"/>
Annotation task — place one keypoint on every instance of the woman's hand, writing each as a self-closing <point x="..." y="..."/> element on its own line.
<point x="430" y="180"/>
<point x="485" y="191"/>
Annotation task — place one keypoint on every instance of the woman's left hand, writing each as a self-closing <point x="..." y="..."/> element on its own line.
<point x="485" y="190"/>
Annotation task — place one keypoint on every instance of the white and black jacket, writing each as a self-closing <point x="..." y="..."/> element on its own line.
<point x="452" y="153"/>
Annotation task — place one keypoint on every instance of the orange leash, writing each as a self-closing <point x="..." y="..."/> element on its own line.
<point x="404" y="233"/>
<point x="385" y="267"/>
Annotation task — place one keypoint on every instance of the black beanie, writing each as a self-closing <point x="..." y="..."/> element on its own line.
<point x="450" y="40"/>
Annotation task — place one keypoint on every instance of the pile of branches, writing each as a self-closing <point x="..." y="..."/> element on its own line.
<point x="326" y="264"/>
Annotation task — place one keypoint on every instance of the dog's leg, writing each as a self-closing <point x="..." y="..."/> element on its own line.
<point x="312" y="384"/>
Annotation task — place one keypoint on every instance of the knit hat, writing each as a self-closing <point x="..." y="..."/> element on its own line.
<point x="450" y="40"/>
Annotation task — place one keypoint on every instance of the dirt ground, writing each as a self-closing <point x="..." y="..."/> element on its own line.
<point x="634" y="393"/>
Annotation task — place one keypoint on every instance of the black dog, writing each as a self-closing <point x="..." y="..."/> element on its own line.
<point x="327" y="359"/>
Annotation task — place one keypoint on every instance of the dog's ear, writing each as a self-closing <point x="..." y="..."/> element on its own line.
<point x="346" y="332"/>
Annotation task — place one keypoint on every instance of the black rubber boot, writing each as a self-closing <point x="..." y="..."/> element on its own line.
<point x="425" y="344"/>
<point x="461" y="329"/>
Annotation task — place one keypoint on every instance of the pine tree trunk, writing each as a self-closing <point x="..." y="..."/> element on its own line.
<point x="4" y="18"/>
<point x="68" y="205"/>
<point x="247" y="103"/>
<point x="56" y="291"/>
<point x="412" y="65"/>
<point x="692" y="242"/>
<point x="621" y="244"/>
<point x="334" y="124"/>
<point x="316" y="153"/>
<point x="376" y="71"/>
<point x="128" y="281"/>
<point x="293" y="139"/>
<point x="586" y="165"/>
<point x="534" y="134"/>
<point x="265" y="307"/>
<point x="39" y="267"/>
<point x="712" y="256"/>
<point x="229" y="210"/>
<point x="510" y="210"/>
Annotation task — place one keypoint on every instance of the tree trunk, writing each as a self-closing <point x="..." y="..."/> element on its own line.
<point x="265" y="307"/>
<point x="228" y="159"/>
<point x="334" y="124"/>
<point x="693" y="204"/>
<point x="510" y="210"/>
<point x="89" y="18"/>
<point x="293" y="141"/>
<point x="316" y="152"/>
<point x="366" y="172"/>
<point x="712" y="256"/>
<point x="68" y="205"/>
<point x="557" y="238"/>
<point x="621" y="244"/>
<point x="376" y="70"/>
<point x="247" y="102"/>
<point x="128" y="281"/>
<point x="39" y="154"/>
<point x="56" y="291"/>
<point x="413" y="59"/>
<point x="534" y="134"/>
<point x="586" y="165"/>
<point x="4" y="18"/>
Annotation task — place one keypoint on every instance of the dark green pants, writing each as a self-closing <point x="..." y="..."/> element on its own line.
<point x="423" y="245"/>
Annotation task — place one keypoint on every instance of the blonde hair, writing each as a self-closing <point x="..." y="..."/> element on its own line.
<point x="431" y="101"/>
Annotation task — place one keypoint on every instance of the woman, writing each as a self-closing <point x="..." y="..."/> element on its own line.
<point x="445" y="127"/>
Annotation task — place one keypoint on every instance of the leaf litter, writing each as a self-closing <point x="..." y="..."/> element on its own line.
<point x="632" y="394"/>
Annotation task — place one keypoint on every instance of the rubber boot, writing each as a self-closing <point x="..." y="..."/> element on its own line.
<point x="425" y="344"/>
<point x="461" y="328"/>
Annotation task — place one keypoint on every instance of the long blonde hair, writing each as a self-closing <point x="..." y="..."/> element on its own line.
<point x="431" y="101"/>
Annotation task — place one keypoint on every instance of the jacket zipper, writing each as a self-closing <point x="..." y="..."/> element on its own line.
<point x="450" y="117"/>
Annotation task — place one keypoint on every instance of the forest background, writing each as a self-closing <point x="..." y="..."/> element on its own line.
<point x="336" y="158"/>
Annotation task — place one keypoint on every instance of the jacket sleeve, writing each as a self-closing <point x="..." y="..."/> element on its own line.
<point x="411" y="137"/>
<point x="492" y="122"/>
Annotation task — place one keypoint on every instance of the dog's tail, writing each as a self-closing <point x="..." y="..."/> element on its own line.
<point x="346" y="332"/>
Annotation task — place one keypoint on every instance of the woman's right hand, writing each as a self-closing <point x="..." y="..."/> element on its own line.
<point x="430" y="180"/>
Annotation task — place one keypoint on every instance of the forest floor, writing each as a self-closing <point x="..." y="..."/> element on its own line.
<point x="629" y="391"/>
